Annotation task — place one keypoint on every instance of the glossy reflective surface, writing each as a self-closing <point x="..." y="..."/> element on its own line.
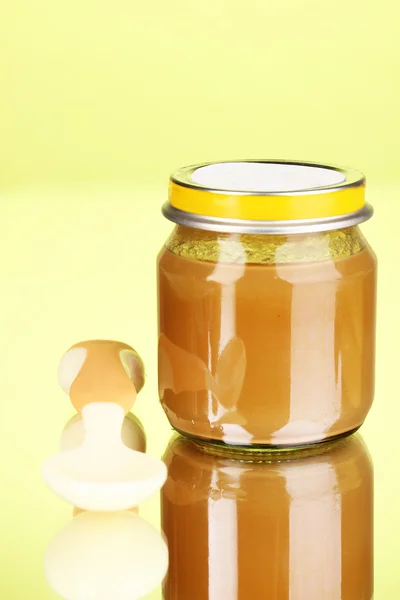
<point x="282" y="525"/>
<point x="279" y="527"/>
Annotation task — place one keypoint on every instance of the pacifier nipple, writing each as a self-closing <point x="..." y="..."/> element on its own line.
<point x="101" y="371"/>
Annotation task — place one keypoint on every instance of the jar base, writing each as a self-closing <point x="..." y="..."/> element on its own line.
<point x="216" y="446"/>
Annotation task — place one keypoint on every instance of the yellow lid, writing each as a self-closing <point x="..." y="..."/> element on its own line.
<point x="267" y="190"/>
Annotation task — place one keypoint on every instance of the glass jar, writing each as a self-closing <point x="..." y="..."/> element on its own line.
<point x="266" y="304"/>
<point x="295" y="525"/>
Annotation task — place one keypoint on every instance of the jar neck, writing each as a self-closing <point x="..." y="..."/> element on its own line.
<point x="264" y="249"/>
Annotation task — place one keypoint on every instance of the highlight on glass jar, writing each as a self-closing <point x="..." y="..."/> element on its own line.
<point x="266" y="304"/>
<point x="293" y="524"/>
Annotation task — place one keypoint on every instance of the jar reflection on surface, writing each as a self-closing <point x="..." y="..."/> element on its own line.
<point x="282" y="526"/>
<point x="266" y="339"/>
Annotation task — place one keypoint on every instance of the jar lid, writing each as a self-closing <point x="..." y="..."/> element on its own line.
<point x="267" y="196"/>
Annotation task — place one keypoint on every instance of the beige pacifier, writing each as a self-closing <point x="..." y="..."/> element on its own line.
<point x="102" y="379"/>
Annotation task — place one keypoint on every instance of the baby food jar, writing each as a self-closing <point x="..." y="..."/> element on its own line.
<point x="266" y="303"/>
<point x="295" y="525"/>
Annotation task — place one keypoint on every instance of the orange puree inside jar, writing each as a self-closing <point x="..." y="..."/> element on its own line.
<point x="266" y="340"/>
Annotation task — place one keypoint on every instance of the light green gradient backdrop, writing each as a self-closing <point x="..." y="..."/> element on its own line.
<point x="126" y="90"/>
<point x="99" y="102"/>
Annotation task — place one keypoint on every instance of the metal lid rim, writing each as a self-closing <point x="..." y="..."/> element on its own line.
<point x="225" y="225"/>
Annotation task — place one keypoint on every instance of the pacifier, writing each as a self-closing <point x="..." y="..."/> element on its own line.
<point x="102" y="379"/>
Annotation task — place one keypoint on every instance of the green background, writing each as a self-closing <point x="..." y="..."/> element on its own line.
<point x="127" y="90"/>
<point x="98" y="103"/>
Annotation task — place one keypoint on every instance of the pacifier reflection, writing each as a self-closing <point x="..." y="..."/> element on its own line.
<point x="103" y="555"/>
<point x="99" y="556"/>
<point x="275" y="525"/>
